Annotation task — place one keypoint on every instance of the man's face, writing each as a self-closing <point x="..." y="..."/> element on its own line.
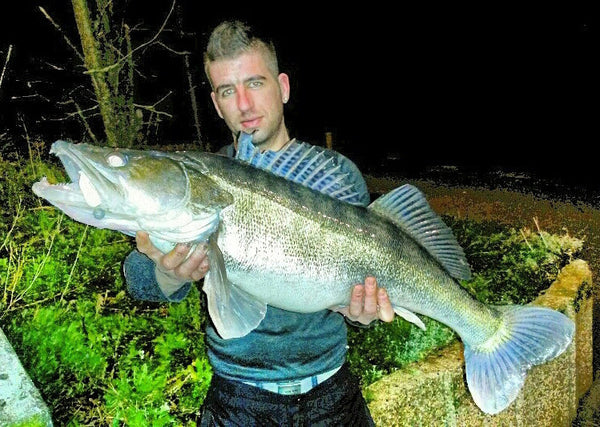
<point x="250" y="99"/>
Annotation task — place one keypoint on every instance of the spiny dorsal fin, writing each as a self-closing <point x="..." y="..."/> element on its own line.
<point x="308" y="165"/>
<point x="407" y="207"/>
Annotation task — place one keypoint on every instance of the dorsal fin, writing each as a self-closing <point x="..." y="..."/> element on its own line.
<point x="308" y="165"/>
<point x="407" y="207"/>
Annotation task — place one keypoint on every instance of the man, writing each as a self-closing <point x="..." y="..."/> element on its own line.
<point x="291" y="369"/>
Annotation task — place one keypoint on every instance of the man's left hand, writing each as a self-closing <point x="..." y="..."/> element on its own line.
<point x="367" y="303"/>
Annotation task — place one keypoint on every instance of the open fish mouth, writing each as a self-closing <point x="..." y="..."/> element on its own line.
<point x="125" y="190"/>
<point x="71" y="193"/>
<point x="90" y="190"/>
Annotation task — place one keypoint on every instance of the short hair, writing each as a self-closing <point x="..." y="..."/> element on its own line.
<point x="233" y="38"/>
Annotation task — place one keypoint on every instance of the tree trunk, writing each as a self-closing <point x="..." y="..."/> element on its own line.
<point x="94" y="65"/>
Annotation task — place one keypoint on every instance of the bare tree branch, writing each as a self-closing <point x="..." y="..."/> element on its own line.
<point x="5" y="64"/>
<point x="152" y="108"/>
<point x="142" y="46"/>
<point x="185" y="52"/>
<point x="192" y="92"/>
<point x="85" y="123"/>
<point x="71" y="45"/>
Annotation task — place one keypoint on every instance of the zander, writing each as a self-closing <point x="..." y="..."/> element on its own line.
<point x="277" y="237"/>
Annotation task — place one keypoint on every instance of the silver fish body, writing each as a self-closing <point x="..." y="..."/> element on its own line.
<point x="303" y="251"/>
<point x="276" y="242"/>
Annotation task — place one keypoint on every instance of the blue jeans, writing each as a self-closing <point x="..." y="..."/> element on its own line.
<point x="336" y="402"/>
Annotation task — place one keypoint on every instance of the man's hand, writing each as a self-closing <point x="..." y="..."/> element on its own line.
<point x="368" y="303"/>
<point x="174" y="264"/>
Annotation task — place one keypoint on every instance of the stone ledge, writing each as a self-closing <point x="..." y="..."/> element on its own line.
<point x="434" y="391"/>
<point x="20" y="401"/>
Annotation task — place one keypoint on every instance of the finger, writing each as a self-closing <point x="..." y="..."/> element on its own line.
<point x="356" y="301"/>
<point x="176" y="256"/>
<point x="386" y="311"/>
<point x="142" y="240"/>
<point x="145" y="246"/>
<point x="195" y="266"/>
<point x="370" y="305"/>
<point x="199" y="273"/>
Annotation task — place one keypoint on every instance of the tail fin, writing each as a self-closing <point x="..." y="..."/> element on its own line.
<point x="529" y="336"/>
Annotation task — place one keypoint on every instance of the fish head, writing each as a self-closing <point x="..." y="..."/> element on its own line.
<point x="130" y="190"/>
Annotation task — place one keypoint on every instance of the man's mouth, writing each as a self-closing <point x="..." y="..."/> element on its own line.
<point x="252" y="123"/>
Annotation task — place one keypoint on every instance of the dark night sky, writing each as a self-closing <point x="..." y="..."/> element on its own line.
<point x="474" y="88"/>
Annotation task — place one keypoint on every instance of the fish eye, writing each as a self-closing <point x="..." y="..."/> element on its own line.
<point x="116" y="159"/>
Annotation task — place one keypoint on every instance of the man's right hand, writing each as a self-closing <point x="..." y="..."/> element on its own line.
<point x="175" y="264"/>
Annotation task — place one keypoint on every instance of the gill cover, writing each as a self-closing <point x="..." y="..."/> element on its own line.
<point x="132" y="190"/>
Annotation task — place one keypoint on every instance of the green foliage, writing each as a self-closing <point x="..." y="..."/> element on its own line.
<point x="385" y="347"/>
<point x="116" y="359"/>
<point x="509" y="267"/>
<point x="97" y="356"/>
<point x="512" y="266"/>
<point x="58" y="351"/>
<point x="34" y="421"/>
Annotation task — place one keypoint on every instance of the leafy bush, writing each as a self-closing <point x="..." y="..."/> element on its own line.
<point x="512" y="266"/>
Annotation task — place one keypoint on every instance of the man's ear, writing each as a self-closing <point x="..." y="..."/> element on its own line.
<point x="213" y="96"/>
<point x="284" y="87"/>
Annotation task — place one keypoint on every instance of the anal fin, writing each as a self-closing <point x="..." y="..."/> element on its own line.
<point x="409" y="316"/>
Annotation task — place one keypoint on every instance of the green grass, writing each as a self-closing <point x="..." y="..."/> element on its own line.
<point x="100" y="357"/>
<point x="96" y="355"/>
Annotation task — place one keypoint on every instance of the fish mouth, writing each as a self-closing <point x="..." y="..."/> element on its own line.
<point x="90" y="193"/>
<point x="129" y="190"/>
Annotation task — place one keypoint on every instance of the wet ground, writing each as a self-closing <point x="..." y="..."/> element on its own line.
<point x="568" y="185"/>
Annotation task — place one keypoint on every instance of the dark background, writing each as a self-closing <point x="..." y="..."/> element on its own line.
<point x="403" y="91"/>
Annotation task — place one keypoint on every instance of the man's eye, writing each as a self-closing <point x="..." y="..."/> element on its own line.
<point x="255" y="84"/>
<point x="226" y="93"/>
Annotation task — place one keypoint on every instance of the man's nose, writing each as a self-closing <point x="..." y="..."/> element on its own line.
<point x="244" y="100"/>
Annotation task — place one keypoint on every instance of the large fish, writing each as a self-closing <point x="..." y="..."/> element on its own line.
<point x="281" y="241"/>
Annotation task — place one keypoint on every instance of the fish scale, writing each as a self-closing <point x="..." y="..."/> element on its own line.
<point x="334" y="247"/>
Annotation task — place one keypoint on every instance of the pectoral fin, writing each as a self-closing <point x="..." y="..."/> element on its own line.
<point x="409" y="316"/>
<point x="233" y="311"/>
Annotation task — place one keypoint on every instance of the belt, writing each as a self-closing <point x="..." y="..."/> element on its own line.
<point x="294" y="387"/>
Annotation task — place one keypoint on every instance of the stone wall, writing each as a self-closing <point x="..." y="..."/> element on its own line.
<point x="20" y="401"/>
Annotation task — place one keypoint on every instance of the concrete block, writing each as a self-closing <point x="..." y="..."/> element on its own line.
<point x="20" y="401"/>
<point x="422" y="394"/>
